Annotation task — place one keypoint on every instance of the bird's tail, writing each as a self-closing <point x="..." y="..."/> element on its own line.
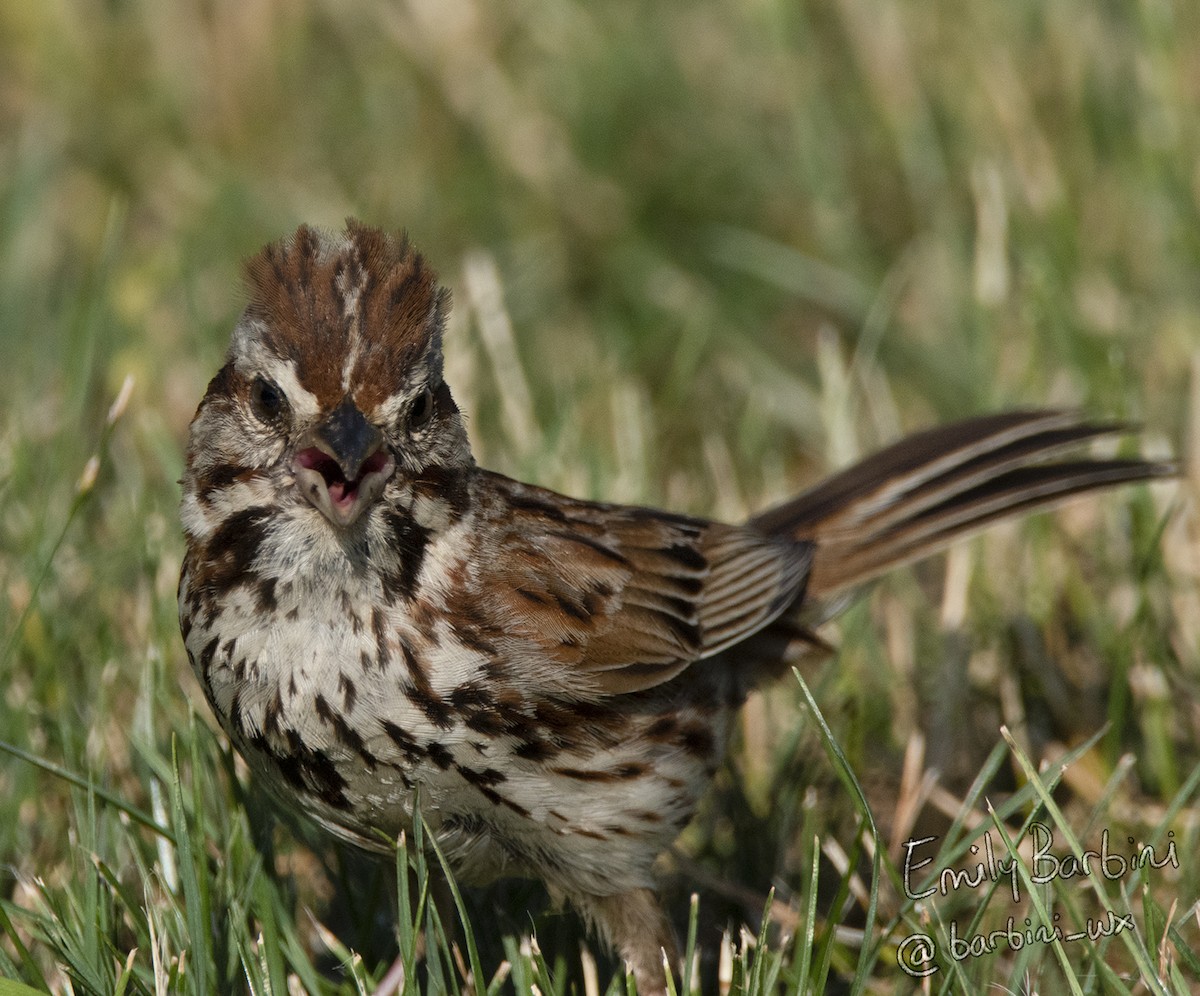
<point x="917" y="496"/>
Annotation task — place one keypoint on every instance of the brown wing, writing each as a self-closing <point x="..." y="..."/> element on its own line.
<point x="632" y="596"/>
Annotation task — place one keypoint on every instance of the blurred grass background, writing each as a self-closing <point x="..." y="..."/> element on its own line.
<point x="700" y="252"/>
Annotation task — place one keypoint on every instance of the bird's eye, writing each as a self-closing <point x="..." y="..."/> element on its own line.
<point x="421" y="410"/>
<point x="267" y="400"/>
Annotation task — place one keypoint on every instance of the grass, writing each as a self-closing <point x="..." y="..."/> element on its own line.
<point x="700" y="253"/>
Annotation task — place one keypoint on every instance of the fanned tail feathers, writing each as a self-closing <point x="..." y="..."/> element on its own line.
<point x="919" y="495"/>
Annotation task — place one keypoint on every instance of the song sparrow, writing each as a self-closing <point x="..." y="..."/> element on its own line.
<point x="369" y="611"/>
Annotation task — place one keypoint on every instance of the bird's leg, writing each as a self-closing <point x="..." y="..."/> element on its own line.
<point x="633" y="925"/>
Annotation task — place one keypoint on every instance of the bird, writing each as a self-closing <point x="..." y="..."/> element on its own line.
<point x="374" y="617"/>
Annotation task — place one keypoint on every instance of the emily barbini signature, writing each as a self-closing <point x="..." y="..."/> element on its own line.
<point x="918" y="954"/>
<point x="1044" y="864"/>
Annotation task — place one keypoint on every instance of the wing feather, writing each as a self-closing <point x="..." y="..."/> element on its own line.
<point x="631" y="596"/>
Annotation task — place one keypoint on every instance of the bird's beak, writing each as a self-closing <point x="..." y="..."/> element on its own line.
<point x="341" y="464"/>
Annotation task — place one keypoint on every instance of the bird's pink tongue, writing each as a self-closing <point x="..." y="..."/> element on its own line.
<point x="341" y="494"/>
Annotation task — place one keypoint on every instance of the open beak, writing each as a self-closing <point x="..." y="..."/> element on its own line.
<point x="342" y="465"/>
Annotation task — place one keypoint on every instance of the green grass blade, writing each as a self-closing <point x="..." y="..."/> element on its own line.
<point x="464" y="920"/>
<point x="111" y="799"/>
<point x="18" y="989"/>
<point x="1128" y="938"/>
<point x="195" y="912"/>
<point x="845" y="773"/>
<point x="805" y="940"/>
<point x="1035" y="898"/>
<point x="28" y="965"/>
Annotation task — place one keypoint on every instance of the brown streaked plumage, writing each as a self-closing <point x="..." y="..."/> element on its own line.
<point x="369" y="612"/>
